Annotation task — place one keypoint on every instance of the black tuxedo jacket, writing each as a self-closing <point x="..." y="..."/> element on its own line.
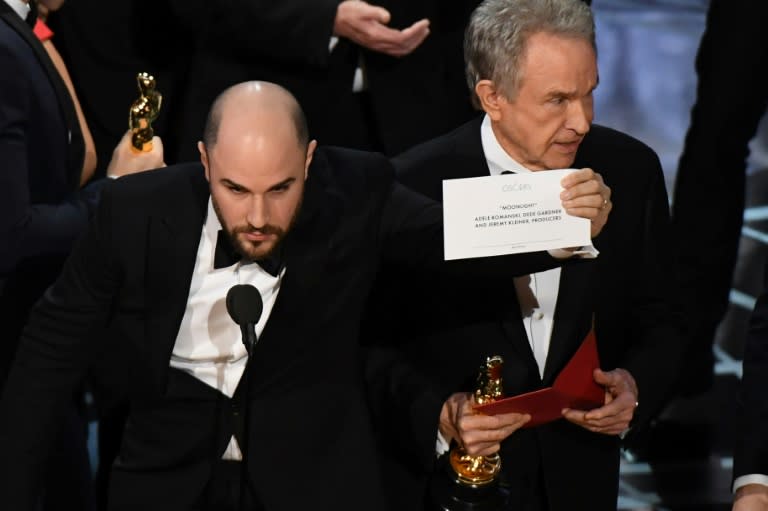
<point x="288" y="43"/>
<point x="626" y="289"/>
<point x="311" y="443"/>
<point x="41" y="156"/>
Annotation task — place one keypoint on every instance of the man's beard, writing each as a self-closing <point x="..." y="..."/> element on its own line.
<point x="247" y="248"/>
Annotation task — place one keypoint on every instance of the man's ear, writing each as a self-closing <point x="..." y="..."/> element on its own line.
<point x="204" y="159"/>
<point x="490" y="98"/>
<point x="310" y="153"/>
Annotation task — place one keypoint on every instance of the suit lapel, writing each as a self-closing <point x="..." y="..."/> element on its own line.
<point x="64" y="100"/>
<point x="514" y="330"/>
<point x="172" y="241"/>
<point x="468" y="153"/>
<point x="307" y="249"/>
<point x="573" y="314"/>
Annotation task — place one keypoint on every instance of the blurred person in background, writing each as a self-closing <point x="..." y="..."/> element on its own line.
<point x="378" y="76"/>
<point x="43" y="205"/>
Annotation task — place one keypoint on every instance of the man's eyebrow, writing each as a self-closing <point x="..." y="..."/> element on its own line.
<point x="282" y="183"/>
<point x="555" y="93"/>
<point x="232" y="184"/>
<point x="237" y="186"/>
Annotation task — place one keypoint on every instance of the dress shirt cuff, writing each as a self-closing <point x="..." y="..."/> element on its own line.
<point x="441" y="446"/>
<point x="749" y="479"/>
<point x="585" y="252"/>
<point x="332" y="43"/>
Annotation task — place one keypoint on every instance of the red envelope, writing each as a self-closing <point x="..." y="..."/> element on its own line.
<point x="573" y="388"/>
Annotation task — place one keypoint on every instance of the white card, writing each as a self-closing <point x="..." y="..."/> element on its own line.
<point x="509" y="214"/>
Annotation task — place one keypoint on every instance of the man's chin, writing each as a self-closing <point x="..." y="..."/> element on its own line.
<point x="261" y="253"/>
<point x="562" y="162"/>
<point x="257" y="251"/>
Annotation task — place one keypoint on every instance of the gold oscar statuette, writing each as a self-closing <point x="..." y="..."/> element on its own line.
<point x="480" y="471"/>
<point x="143" y="112"/>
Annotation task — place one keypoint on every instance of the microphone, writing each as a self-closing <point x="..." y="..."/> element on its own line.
<point x="244" y="306"/>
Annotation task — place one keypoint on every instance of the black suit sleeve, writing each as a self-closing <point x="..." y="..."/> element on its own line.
<point x="404" y="403"/>
<point x="655" y="352"/>
<point x="29" y="229"/>
<point x="751" y="450"/>
<point x="54" y="352"/>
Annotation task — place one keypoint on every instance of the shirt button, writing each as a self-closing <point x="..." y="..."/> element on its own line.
<point x="538" y="315"/>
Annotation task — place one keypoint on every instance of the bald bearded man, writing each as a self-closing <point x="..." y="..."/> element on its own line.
<point x="307" y="227"/>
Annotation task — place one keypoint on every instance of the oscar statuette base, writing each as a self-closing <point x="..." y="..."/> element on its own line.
<point x="445" y="494"/>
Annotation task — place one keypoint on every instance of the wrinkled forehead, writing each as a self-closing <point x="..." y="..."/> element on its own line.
<point x="256" y="164"/>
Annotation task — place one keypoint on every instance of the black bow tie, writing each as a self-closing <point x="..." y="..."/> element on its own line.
<point x="507" y="172"/>
<point x="226" y="255"/>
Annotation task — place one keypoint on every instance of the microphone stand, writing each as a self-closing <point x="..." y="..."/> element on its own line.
<point x="248" y="331"/>
<point x="244" y="305"/>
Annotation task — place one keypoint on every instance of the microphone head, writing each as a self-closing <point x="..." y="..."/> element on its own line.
<point x="244" y="304"/>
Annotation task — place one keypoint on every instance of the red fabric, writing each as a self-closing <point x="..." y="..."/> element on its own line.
<point x="42" y="31"/>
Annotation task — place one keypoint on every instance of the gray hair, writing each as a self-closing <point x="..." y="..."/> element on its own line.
<point x="498" y="32"/>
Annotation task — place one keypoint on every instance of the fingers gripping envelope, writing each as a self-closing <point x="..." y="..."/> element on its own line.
<point x="573" y="388"/>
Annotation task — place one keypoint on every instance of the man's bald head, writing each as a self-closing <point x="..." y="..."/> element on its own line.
<point x="255" y="105"/>
<point x="256" y="158"/>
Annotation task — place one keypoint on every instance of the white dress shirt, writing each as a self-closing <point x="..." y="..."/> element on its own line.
<point x="209" y="343"/>
<point x="21" y="8"/>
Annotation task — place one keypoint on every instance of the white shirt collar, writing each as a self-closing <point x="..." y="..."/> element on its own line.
<point x="21" y="8"/>
<point x="211" y="230"/>
<point x="497" y="157"/>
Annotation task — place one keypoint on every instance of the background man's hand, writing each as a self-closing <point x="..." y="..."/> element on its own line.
<point x="126" y="160"/>
<point x="587" y="196"/>
<point x="751" y="497"/>
<point x="44" y="7"/>
<point x="620" y="401"/>
<point x="366" y="25"/>
<point x="480" y="435"/>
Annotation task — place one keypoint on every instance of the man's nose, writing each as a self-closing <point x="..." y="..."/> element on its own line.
<point x="258" y="212"/>
<point x="579" y="116"/>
